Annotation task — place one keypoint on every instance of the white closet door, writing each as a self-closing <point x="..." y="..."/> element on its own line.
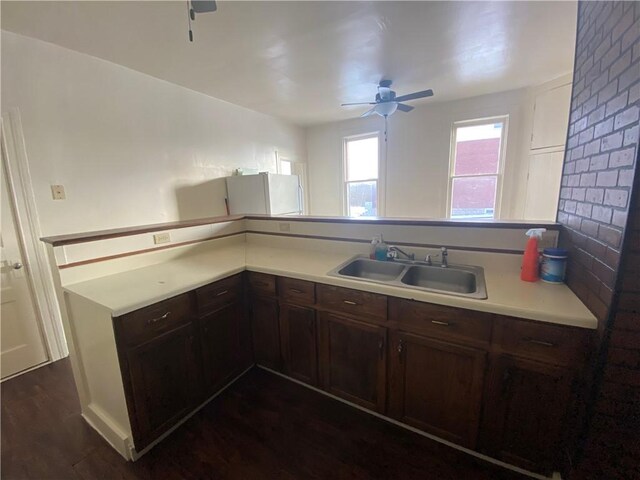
<point x="543" y="186"/>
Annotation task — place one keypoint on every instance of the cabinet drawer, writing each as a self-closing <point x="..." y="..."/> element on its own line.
<point x="216" y="295"/>
<point x="149" y="322"/>
<point x="354" y="302"/>
<point x="549" y="343"/>
<point x="297" y="291"/>
<point x="262" y="283"/>
<point x="442" y="322"/>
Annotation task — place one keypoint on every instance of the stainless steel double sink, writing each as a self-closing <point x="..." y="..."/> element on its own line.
<point x="461" y="280"/>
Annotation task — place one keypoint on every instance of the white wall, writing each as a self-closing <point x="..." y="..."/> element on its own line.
<point x="129" y="149"/>
<point x="417" y="166"/>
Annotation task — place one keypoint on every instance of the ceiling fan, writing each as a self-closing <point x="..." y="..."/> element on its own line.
<point x="387" y="103"/>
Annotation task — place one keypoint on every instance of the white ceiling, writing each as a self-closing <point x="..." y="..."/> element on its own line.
<point x="300" y="60"/>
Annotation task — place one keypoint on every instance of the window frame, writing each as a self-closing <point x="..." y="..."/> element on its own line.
<point x="379" y="180"/>
<point x="502" y="160"/>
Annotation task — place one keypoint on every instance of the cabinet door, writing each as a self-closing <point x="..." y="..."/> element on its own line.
<point x="353" y="360"/>
<point x="298" y="340"/>
<point x="551" y="117"/>
<point x="164" y="380"/>
<point x="525" y="407"/>
<point x="223" y="342"/>
<point x="266" y="332"/>
<point x="543" y="186"/>
<point x="436" y="386"/>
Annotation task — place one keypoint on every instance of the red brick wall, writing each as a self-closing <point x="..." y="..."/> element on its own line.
<point x="600" y="211"/>
<point x="612" y="449"/>
<point x="601" y="149"/>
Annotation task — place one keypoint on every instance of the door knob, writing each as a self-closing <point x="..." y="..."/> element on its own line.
<point x="17" y="266"/>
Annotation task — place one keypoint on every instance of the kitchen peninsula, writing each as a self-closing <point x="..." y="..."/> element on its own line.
<point x="157" y="332"/>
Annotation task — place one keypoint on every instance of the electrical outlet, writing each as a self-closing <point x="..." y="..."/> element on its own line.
<point x="161" y="238"/>
<point x="284" y="227"/>
<point x="57" y="192"/>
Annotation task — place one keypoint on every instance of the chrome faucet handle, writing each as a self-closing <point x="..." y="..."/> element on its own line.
<point x="444" y="253"/>
<point x="429" y="258"/>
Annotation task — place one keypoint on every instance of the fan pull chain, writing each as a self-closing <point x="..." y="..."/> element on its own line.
<point x="190" y="15"/>
<point x="385" y="129"/>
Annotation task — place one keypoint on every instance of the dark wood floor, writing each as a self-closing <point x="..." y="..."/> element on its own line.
<point x="263" y="426"/>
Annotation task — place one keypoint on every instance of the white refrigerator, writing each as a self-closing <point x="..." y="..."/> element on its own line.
<point x="264" y="193"/>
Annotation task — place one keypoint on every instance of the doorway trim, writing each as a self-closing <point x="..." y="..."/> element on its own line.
<point x="14" y="156"/>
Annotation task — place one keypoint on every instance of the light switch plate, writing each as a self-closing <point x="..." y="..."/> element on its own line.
<point x="161" y="238"/>
<point x="57" y="192"/>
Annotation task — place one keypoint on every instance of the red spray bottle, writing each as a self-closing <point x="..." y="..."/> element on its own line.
<point x="531" y="260"/>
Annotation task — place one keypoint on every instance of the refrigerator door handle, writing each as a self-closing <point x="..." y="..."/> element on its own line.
<point x="300" y="198"/>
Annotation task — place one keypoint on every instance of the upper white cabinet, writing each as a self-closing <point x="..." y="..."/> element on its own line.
<point x="551" y="117"/>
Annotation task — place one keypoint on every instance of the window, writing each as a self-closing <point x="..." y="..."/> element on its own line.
<point x="285" y="167"/>
<point x="361" y="160"/>
<point x="477" y="158"/>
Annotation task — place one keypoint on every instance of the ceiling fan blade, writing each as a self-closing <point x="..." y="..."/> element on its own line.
<point x="368" y="112"/>
<point x="405" y="108"/>
<point x="414" y="96"/>
<point x="360" y="103"/>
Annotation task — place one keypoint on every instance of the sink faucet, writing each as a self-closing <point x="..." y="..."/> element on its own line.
<point x="444" y="253"/>
<point x="393" y="253"/>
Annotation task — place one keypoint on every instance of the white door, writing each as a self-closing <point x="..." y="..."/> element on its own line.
<point x="21" y="342"/>
<point x="543" y="186"/>
<point x="551" y="117"/>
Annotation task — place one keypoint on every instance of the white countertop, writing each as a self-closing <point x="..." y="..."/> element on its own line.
<point x="508" y="295"/>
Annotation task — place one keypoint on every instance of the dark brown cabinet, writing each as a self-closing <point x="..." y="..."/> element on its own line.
<point x="353" y="360"/>
<point x="502" y="385"/>
<point x="265" y="330"/>
<point x="525" y="408"/>
<point x="164" y="382"/>
<point x="436" y="386"/>
<point x="177" y="352"/>
<point x="298" y="342"/>
<point x="225" y="346"/>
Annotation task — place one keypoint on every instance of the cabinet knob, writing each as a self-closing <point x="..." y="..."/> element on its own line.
<point x="17" y="266"/>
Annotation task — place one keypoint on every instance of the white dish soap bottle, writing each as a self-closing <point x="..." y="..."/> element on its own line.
<point x="372" y="247"/>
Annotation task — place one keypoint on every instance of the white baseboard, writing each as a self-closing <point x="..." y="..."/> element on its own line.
<point x="108" y="429"/>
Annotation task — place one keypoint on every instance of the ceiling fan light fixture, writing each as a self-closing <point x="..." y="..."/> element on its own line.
<point x="386" y="108"/>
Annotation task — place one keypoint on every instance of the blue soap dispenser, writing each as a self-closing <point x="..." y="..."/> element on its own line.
<point x="381" y="250"/>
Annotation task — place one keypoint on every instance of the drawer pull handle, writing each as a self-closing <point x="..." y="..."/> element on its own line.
<point x="295" y="290"/>
<point x="540" y="342"/>
<point x="444" y="324"/>
<point x="151" y="321"/>
<point x="400" y="347"/>
<point x="349" y="302"/>
<point x="224" y="292"/>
